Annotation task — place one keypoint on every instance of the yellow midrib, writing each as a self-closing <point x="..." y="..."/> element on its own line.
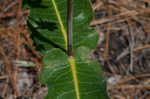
<point x="60" y="22"/>
<point x="73" y="68"/>
<point x="71" y="59"/>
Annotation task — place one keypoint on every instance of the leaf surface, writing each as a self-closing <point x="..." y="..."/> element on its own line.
<point x="67" y="77"/>
<point x="72" y="78"/>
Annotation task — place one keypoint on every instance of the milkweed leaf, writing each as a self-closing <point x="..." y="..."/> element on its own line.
<point x="67" y="77"/>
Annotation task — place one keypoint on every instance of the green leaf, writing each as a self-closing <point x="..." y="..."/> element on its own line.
<point x="48" y="29"/>
<point x="66" y="77"/>
<point x="44" y="21"/>
<point x="71" y="78"/>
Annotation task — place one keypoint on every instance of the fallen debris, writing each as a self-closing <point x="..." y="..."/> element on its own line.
<point x="17" y="82"/>
<point x="124" y="46"/>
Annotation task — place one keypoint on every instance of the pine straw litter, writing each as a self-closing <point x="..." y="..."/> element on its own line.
<point x="16" y="47"/>
<point x="124" y="46"/>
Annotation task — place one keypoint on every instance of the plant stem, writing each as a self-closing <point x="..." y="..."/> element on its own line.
<point x="69" y="27"/>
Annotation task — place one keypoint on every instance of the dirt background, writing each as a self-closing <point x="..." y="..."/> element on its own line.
<point x="16" y="80"/>
<point x="124" y="46"/>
